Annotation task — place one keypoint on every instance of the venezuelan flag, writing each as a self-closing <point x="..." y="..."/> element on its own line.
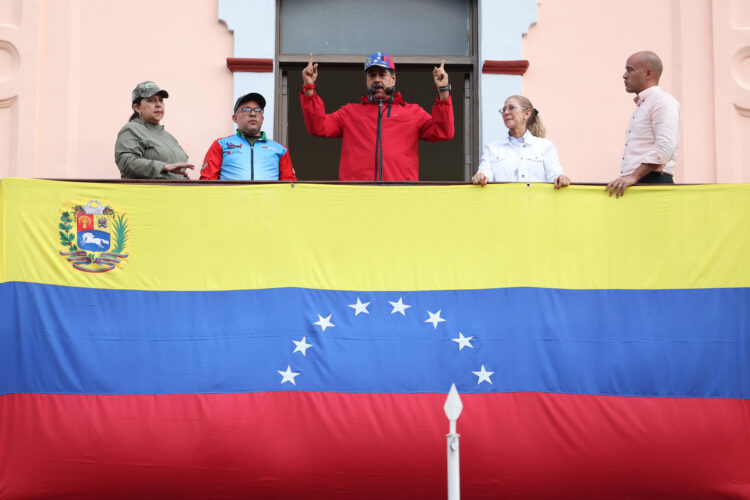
<point x="298" y="341"/>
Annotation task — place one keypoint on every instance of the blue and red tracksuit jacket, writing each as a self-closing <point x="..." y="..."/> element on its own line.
<point x="232" y="158"/>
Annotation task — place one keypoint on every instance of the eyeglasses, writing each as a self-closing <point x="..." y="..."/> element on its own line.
<point x="510" y="108"/>
<point x="247" y="111"/>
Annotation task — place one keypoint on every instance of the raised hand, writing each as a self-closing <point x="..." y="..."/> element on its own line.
<point x="310" y="73"/>
<point x="439" y="75"/>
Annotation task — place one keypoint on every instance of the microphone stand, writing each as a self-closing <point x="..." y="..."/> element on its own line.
<point x="379" y="135"/>
<point x="379" y="143"/>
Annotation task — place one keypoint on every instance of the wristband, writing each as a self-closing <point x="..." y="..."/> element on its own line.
<point x="443" y="89"/>
<point x="308" y="86"/>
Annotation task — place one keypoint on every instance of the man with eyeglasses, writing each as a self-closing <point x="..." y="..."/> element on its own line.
<point x="381" y="133"/>
<point x="248" y="155"/>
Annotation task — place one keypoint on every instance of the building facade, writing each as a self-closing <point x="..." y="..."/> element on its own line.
<point x="67" y="69"/>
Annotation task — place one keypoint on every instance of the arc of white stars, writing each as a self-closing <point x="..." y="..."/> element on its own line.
<point x="288" y="375"/>
<point x="324" y="323"/>
<point x="484" y="375"/>
<point x="463" y="341"/>
<point x="399" y="307"/>
<point x="434" y="318"/>
<point x="360" y="307"/>
<point x="302" y="346"/>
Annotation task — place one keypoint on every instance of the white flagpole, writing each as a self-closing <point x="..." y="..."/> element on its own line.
<point x="453" y="407"/>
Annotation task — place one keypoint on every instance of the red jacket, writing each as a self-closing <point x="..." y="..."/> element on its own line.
<point x="403" y="125"/>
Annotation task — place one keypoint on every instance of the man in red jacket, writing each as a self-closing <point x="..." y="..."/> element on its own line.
<point x="381" y="133"/>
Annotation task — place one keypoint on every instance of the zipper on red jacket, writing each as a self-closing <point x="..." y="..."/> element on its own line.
<point x="379" y="143"/>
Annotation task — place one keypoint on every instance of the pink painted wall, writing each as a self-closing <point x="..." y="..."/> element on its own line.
<point x="80" y="60"/>
<point x="577" y="52"/>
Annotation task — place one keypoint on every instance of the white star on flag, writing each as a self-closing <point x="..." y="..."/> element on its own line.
<point x="399" y="307"/>
<point x="483" y="375"/>
<point x="359" y="307"/>
<point x="288" y="375"/>
<point x="463" y="341"/>
<point x="324" y="323"/>
<point x="434" y="318"/>
<point x="302" y="346"/>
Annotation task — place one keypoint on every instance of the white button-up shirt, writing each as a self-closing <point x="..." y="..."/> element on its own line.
<point x="527" y="159"/>
<point x="653" y="133"/>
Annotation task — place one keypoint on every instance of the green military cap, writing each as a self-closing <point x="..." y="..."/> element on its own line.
<point x="148" y="89"/>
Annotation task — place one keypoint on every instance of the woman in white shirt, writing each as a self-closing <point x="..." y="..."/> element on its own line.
<point x="523" y="155"/>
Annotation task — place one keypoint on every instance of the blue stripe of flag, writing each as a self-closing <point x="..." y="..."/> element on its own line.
<point x="681" y="343"/>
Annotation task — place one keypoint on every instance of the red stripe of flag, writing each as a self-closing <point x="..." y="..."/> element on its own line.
<point x="329" y="445"/>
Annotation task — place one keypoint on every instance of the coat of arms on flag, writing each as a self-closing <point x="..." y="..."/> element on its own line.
<point x="94" y="237"/>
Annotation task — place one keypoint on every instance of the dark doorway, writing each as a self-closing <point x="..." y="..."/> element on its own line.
<point x="317" y="158"/>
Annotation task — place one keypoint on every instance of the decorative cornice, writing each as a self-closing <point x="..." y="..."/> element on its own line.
<point x="249" y="65"/>
<point x="505" y="67"/>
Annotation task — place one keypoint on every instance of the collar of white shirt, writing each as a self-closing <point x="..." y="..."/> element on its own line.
<point x="641" y="98"/>
<point x="527" y="138"/>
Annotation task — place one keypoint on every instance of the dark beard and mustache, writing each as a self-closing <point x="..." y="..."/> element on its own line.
<point x="376" y="86"/>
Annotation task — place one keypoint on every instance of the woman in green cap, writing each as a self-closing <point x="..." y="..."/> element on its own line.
<point x="144" y="150"/>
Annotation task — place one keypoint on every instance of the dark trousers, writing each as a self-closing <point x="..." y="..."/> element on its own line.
<point x="656" y="178"/>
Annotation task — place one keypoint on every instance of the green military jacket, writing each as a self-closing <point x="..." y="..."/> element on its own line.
<point x="142" y="149"/>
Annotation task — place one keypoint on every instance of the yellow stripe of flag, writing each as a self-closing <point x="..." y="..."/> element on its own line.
<point x="388" y="237"/>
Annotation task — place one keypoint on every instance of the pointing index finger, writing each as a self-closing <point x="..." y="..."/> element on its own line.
<point x="311" y="60"/>
<point x="442" y="65"/>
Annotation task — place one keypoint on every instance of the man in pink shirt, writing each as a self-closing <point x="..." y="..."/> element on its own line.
<point x="653" y="133"/>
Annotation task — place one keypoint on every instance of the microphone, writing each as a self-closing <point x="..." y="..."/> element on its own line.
<point x="389" y="91"/>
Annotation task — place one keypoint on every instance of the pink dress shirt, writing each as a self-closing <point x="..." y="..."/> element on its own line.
<point x="653" y="133"/>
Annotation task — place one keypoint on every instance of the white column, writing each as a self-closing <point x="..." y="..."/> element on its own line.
<point x="254" y="27"/>
<point x="502" y="24"/>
